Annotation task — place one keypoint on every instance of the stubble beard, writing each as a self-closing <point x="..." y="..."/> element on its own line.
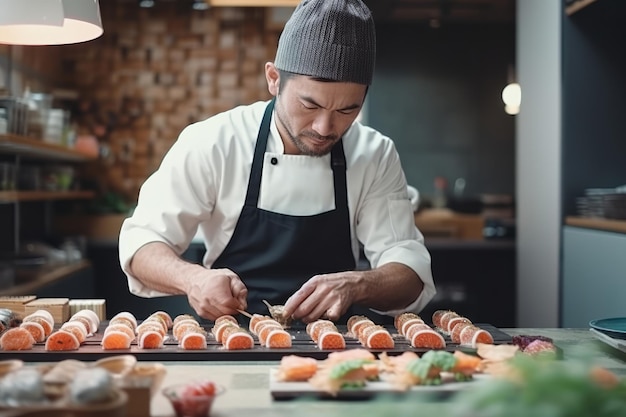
<point x="300" y="144"/>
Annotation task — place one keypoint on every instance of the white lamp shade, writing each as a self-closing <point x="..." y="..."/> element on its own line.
<point x="49" y="22"/>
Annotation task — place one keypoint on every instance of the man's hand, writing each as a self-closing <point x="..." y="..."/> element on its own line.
<point x="324" y="296"/>
<point x="392" y="286"/>
<point x="215" y="292"/>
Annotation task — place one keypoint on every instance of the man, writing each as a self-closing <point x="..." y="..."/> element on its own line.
<point x="285" y="192"/>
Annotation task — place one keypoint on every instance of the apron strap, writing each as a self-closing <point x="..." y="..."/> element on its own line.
<point x="338" y="165"/>
<point x="254" y="183"/>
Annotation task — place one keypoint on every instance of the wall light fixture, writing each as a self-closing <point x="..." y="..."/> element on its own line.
<point x="512" y="94"/>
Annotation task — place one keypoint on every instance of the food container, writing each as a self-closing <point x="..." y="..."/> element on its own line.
<point x="26" y="392"/>
<point x="16" y="110"/>
<point x="39" y="105"/>
<point x="141" y="384"/>
<point x="187" y="402"/>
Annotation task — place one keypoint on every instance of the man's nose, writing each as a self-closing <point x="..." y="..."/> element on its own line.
<point x="323" y="124"/>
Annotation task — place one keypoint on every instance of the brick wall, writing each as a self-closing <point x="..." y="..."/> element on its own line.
<point x="156" y="70"/>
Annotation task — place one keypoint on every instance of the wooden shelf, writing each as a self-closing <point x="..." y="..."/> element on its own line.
<point x="618" y="226"/>
<point x="35" y="148"/>
<point x="578" y="5"/>
<point x="16" y="196"/>
<point x="30" y="280"/>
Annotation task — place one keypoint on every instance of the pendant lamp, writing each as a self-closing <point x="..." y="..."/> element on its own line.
<point x="49" y="22"/>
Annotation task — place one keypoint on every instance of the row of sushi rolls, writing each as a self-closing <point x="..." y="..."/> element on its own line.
<point x="124" y="330"/>
<point x="351" y="365"/>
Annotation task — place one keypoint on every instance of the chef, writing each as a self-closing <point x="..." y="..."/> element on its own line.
<point x="286" y="192"/>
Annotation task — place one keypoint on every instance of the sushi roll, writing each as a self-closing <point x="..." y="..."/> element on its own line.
<point x="472" y="335"/>
<point x="92" y="320"/>
<point x="17" y="338"/>
<point x="193" y="340"/>
<point x="426" y="339"/>
<point x="265" y="328"/>
<point x="124" y="317"/>
<point x="149" y="338"/>
<point x="376" y="337"/>
<point x="237" y="338"/>
<point x="41" y="319"/>
<point x="116" y="340"/>
<point x="400" y="320"/>
<point x="77" y="329"/>
<point x="62" y="340"/>
<point x="295" y="368"/>
<point x="331" y="340"/>
<point x="350" y="373"/>
<point x="35" y="329"/>
<point x="278" y="339"/>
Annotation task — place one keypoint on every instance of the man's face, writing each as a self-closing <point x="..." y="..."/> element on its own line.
<point x="313" y="115"/>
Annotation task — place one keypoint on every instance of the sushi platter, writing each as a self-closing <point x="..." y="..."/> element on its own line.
<point x="302" y="344"/>
<point x="281" y="390"/>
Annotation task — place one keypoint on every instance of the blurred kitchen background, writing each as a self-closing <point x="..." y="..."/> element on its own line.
<point x="499" y="193"/>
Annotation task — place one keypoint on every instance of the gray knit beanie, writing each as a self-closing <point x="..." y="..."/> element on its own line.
<point x="332" y="39"/>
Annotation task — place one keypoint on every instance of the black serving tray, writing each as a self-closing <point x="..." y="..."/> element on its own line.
<point x="301" y="345"/>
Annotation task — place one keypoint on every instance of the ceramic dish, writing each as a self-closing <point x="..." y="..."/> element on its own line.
<point x="619" y="344"/>
<point x="614" y="326"/>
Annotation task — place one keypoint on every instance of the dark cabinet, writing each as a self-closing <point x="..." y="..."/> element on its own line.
<point x="475" y="278"/>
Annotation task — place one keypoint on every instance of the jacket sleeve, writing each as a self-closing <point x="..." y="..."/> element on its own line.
<point x="386" y="224"/>
<point x="171" y="204"/>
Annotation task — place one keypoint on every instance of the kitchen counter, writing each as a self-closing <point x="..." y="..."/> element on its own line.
<point x="247" y="385"/>
<point x="609" y="225"/>
<point x="445" y="223"/>
<point x="31" y="280"/>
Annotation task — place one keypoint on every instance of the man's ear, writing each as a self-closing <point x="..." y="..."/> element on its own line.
<point x="272" y="76"/>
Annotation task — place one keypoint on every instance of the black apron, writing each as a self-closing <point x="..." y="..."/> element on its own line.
<point x="274" y="254"/>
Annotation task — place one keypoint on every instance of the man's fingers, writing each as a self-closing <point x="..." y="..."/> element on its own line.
<point x="333" y="313"/>
<point x="296" y="300"/>
<point x="240" y="292"/>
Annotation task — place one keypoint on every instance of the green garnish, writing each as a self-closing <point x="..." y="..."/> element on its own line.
<point x="419" y="368"/>
<point x="432" y="381"/>
<point x="459" y="377"/>
<point x="340" y="370"/>
<point x="433" y="358"/>
<point x="353" y="385"/>
<point x="544" y="389"/>
<point x="440" y="358"/>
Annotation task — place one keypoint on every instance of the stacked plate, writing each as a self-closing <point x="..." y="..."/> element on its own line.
<point x="608" y="203"/>
<point x="611" y="331"/>
<point x="615" y="206"/>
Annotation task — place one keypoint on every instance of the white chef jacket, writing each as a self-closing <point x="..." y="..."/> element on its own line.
<point x="202" y="182"/>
